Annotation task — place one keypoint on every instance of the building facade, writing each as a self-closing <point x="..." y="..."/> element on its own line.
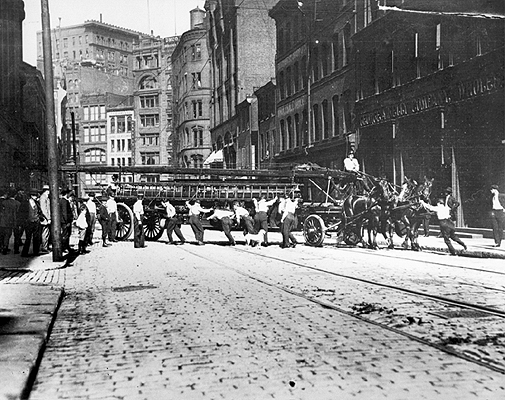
<point x="153" y="94"/>
<point x="23" y="156"/>
<point x="241" y="43"/>
<point x="192" y="94"/>
<point x="430" y="99"/>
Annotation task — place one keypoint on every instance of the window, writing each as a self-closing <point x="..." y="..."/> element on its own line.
<point x="121" y="124"/>
<point x="65" y="42"/>
<point x="197" y="137"/>
<point x="95" y="179"/>
<point x="149" y="101"/>
<point x="197" y="108"/>
<point x="196" y="80"/>
<point x="148" y="82"/>
<point x="149" y="120"/>
<point x="150" y="140"/>
<point x="336" y="119"/>
<point x="150" y="158"/>
<point x="196" y="52"/>
<point x="367" y="13"/>
<point x="96" y="156"/>
<point x="94" y="133"/>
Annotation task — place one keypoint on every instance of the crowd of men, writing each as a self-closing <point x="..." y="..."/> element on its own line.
<point x="28" y="217"/>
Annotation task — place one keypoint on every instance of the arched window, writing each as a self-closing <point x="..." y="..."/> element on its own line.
<point x="219" y="142"/>
<point x="148" y="82"/>
<point x="197" y="136"/>
<point x="95" y="156"/>
<point x="227" y="139"/>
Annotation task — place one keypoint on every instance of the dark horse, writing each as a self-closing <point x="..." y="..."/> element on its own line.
<point x="363" y="211"/>
<point x="404" y="215"/>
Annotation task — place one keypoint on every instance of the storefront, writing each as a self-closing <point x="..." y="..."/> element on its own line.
<point x="448" y="126"/>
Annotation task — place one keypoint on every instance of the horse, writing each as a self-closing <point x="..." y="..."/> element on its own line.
<point x="405" y="214"/>
<point x="364" y="210"/>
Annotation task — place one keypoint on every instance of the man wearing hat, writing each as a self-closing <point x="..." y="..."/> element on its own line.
<point x="30" y="213"/>
<point x="451" y="202"/>
<point x="103" y="219"/>
<point x="497" y="214"/>
<point x="350" y="163"/>
<point x="91" y="206"/>
<point x="67" y="217"/>
<point x="138" y="227"/>
<point x="45" y="208"/>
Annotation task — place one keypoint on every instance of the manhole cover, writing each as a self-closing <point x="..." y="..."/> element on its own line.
<point x="133" y="288"/>
<point x="462" y="314"/>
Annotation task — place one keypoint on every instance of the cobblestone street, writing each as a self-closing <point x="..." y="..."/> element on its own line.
<point x="188" y="322"/>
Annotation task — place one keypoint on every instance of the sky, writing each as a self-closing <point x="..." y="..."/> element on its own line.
<point x="163" y="17"/>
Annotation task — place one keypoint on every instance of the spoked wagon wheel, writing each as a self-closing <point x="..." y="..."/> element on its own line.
<point x="124" y="228"/>
<point x="314" y="230"/>
<point x="152" y="226"/>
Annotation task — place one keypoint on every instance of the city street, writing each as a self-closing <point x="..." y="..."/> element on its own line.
<point x="219" y="322"/>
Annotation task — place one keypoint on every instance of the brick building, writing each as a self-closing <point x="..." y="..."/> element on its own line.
<point x="153" y="94"/>
<point x="192" y="94"/>
<point x="23" y="157"/>
<point x="241" y="42"/>
<point x="430" y="98"/>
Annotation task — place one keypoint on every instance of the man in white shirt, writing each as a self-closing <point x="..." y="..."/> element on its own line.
<point x="138" y="227"/>
<point x="112" y="211"/>
<point x="91" y="206"/>
<point x="350" y="163"/>
<point x="45" y="208"/>
<point x="288" y="221"/>
<point x="446" y="224"/>
<point x="225" y="216"/>
<point x="243" y="218"/>
<point x="173" y="223"/>
<point x="261" y="216"/>
<point x="497" y="214"/>
<point x="194" y="219"/>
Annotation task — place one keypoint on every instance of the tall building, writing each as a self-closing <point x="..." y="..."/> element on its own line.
<point x="192" y="94"/>
<point x="241" y="42"/>
<point x="314" y="75"/>
<point x="91" y="61"/>
<point x="23" y="160"/>
<point x="152" y="71"/>
<point x="430" y="98"/>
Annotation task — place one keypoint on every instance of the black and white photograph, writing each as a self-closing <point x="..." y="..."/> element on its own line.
<point x="252" y="199"/>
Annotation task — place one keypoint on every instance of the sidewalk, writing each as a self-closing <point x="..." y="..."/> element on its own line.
<point x="31" y="290"/>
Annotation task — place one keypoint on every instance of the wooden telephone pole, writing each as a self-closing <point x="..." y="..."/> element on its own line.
<point x="51" y="133"/>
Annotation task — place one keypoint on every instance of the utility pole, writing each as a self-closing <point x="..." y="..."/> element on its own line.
<point x="52" y="153"/>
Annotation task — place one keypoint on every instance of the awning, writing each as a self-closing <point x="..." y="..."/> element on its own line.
<point x="215" y="156"/>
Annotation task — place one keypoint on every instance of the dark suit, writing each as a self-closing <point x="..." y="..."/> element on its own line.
<point x="67" y="217"/>
<point x="29" y="212"/>
<point x="8" y="221"/>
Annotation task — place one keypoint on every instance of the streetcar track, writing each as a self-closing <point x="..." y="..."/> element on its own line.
<point x="487" y="364"/>
<point x="364" y="251"/>
<point x="441" y="299"/>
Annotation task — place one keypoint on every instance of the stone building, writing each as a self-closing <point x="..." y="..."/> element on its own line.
<point x="241" y="42"/>
<point x="23" y="157"/>
<point x="152" y="71"/>
<point x="430" y="98"/>
<point x="315" y="78"/>
<point x="192" y="94"/>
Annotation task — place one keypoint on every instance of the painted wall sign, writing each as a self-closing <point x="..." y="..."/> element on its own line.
<point x="458" y="92"/>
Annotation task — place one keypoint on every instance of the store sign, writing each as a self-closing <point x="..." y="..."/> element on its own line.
<point x="442" y="97"/>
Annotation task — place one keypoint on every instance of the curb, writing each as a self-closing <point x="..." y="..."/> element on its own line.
<point x="27" y="313"/>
